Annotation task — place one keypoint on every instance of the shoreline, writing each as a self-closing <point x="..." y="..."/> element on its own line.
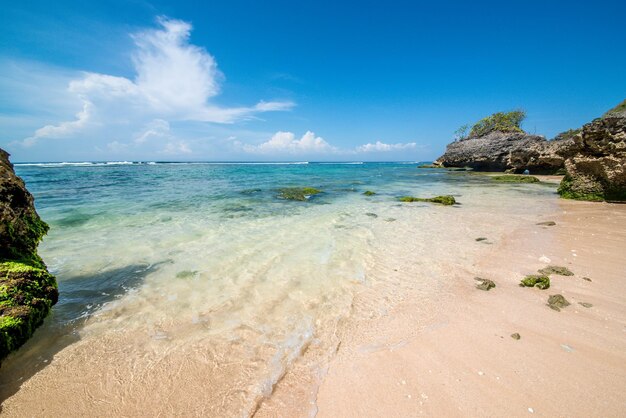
<point x="464" y="362"/>
<point x="417" y="336"/>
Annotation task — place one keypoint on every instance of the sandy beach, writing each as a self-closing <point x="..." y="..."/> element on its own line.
<point x="464" y="362"/>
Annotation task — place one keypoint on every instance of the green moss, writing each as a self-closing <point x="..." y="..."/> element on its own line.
<point x="513" y="178"/>
<point x="27" y="292"/>
<point x="561" y="271"/>
<point x="500" y="122"/>
<point x="429" y="166"/>
<point x="539" y="281"/>
<point x="442" y="200"/>
<point x="297" y="193"/>
<point x="567" y="190"/>
<point x="369" y="193"/>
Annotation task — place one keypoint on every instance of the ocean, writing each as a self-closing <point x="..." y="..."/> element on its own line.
<point x="194" y="287"/>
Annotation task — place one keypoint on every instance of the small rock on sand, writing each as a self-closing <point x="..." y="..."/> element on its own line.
<point x="585" y="304"/>
<point x="485" y="284"/>
<point x="547" y="223"/>
<point x="371" y="215"/>
<point x="480" y="239"/>
<point x="561" y="271"/>
<point x="587" y="279"/>
<point x="516" y="336"/>
<point x="557" y="302"/>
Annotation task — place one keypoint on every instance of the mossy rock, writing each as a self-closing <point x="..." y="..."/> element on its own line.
<point x="27" y="293"/>
<point x="485" y="284"/>
<point x="513" y="178"/>
<point x="561" y="271"/>
<point x="557" y="302"/>
<point x="582" y="189"/>
<point x="539" y="281"/>
<point x="369" y="193"/>
<point x="446" y="200"/>
<point x="297" y="193"/>
<point x="516" y="336"/>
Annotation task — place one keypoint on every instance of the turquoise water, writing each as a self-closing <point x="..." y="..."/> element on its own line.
<point x="203" y="269"/>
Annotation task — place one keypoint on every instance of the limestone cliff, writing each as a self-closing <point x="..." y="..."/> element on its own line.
<point x="596" y="171"/>
<point x="27" y="290"/>
<point x="512" y="151"/>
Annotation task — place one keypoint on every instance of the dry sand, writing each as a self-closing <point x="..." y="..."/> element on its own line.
<point x="464" y="362"/>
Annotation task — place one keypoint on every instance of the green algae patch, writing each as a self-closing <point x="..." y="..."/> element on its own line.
<point x="557" y="302"/>
<point x="446" y="200"/>
<point x="430" y="166"/>
<point x="297" y="193"/>
<point x="561" y="271"/>
<point x="27" y="292"/>
<point x="369" y="193"/>
<point x="513" y="178"/>
<point x="539" y="281"/>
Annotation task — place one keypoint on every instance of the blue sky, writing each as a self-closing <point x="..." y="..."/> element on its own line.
<point x="285" y="80"/>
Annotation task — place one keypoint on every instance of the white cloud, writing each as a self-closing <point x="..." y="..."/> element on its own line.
<point x="286" y="143"/>
<point x="174" y="80"/>
<point x="158" y="128"/>
<point x="176" y="148"/>
<point x="383" y="147"/>
<point x="64" y="128"/>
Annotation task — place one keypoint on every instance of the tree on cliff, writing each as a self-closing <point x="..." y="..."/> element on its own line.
<point x="500" y="122"/>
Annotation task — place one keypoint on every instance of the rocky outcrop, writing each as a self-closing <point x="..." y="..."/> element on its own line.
<point x="27" y="289"/>
<point x="507" y="151"/>
<point x="597" y="169"/>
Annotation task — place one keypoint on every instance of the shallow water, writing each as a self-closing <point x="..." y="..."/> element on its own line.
<point x="194" y="286"/>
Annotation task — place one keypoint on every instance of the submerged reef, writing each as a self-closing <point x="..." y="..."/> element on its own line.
<point x="369" y="193"/>
<point x="442" y="200"/>
<point x="297" y="193"/>
<point x="27" y="289"/>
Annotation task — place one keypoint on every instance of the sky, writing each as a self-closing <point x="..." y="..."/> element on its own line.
<point x="295" y="80"/>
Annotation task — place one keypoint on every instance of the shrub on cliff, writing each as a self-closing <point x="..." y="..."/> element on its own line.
<point x="499" y="122"/>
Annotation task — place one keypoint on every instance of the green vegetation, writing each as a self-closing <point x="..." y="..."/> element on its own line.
<point x="297" y="193"/>
<point x="561" y="271"/>
<point x="514" y="178"/>
<point x="442" y="200"/>
<point x="500" y="122"/>
<point x="569" y="134"/>
<point x="429" y="166"/>
<point x="539" y="281"/>
<point x="461" y="133"/>
<point x="618" y="110"/>
<point x="27" y="292"/>
<point x="369" y="193"/>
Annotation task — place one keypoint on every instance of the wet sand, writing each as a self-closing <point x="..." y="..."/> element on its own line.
<point x="464" y="362"/>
